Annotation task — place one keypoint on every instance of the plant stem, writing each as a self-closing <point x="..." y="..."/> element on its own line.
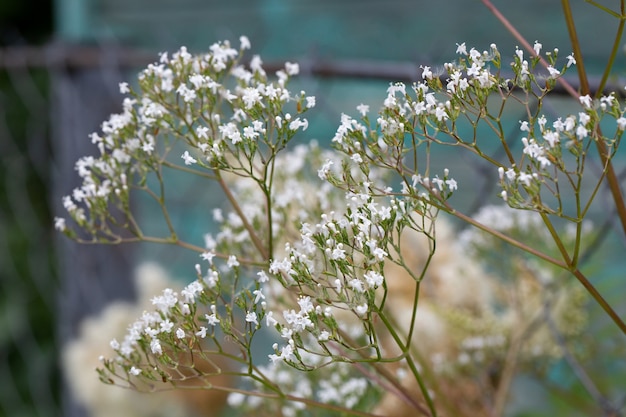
<point x="611" y="177"/>
<point x="598" y="297"/>
<point x="505" y="238"/>
<point x="246" y="224"/>
<point x="404" y="347"/>
<point x="507" y="24"/>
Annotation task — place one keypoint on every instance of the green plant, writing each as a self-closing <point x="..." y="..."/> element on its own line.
<point x="370" y="296"/>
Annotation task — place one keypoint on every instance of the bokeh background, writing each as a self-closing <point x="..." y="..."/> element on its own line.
<point x="60" y="65"/>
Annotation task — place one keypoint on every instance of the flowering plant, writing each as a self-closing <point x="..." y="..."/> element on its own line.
<point x="343" y="257"/>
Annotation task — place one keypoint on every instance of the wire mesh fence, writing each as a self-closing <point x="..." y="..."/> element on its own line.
<point x="50" y="100"/>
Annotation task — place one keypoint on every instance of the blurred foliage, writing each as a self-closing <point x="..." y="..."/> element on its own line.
<point x="28" y="373"/>
<point x="29" y="376"/>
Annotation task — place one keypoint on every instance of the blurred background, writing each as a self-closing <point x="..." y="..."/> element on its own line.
<point x="60" y="65"/>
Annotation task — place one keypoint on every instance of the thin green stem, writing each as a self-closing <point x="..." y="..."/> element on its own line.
<point x="599" y="299"/>
<point x="504" y="237"/>
<point x="607" y="10"/>
<point x="617" y="43"/>
<point x="404" y="347"/>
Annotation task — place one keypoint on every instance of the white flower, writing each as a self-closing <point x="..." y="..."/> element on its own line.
<point x="322" y="173"/>
<point x="427" y="74"/>
<point x="245" y="42"/>
<point x="155" y="346"/>
<point x="570" y="60"/>
<point x="232" y="261"/>
<point x="292" y="68"/>
<point x="188" y="159"/>
<point x="180" y="333"/>
<point x="59" y="222"/>
<point x="338" y="253"/>
<point x="124" y="88"/>
<point x="461" y="49"/>
<point x="440" y="113"/>
<point x="537" y="47"/>
<point x="356" y="285"/>
<point x="166" y="326"/>
<point x="191" y="291"/>
<point x="363" y="109"/>
<point x="373" y="279"/>
<point x="270" y="321"/>
<point x="258" y="296"/>
<point x="134" y="371"/>
<point x="202" y="332"/>
<point x="361" y="310"/>
<point x="212" y="319"/>
<point x="252" y="318"/>
<point x="379" y="254"/>
<point x="187" y="94"/>
<point x="621" y="123"/>
<point x="310" y="102"/>
<point x="202" y="132"/>
<point x="585" y="101"/>
<point x="296" y="124"/>
<point x="250" y="133"/>
<point x="250" y="97"/>
<point x="554" y="73"/>
<point x="262" y="276"/>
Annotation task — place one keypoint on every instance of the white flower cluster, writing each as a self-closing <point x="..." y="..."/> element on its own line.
<point x="184" y="99"/>
<point x="80" y="358"/>
<point x="544" y="146"/>
<point x="340" y="257"/>
<point x="340" y="262"/>
<point x="336" y="384"/>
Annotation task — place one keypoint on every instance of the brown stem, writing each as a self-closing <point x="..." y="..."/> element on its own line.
<point x="598" y="297"/>
<point x="509" y="26"/>
<point x="246" y="224"/>
<point x="611" y="177"/>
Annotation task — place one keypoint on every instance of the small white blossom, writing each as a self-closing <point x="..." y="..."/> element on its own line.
<point x="322" y="173"/>
<point x="292" y="68"/>
<point x="244" y="42"/>
<point x="232" y="261"/>
<point x="258" y="296"/>
<point x="362" y="309"/>
<point x="251" y="317"/>
<point x="202" y="332"/>
<point x="570" y="60"/>
<point x="363" y="109"/>
<point x="59" y="222"/>
<point x="212" y="319"/>
<point x="155" y="346"/>
<point x="586" y="101"/>
<point x="554" y="73"/>
<point x="188" y="159"/>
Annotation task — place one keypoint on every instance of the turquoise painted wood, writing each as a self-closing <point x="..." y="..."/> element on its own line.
<point x="414" y="30"/>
